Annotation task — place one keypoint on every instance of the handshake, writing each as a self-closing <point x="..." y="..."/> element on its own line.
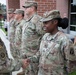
<point x="25" y="63"/>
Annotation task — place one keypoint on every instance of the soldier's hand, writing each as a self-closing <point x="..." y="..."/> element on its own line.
<point x="25" y="63"/>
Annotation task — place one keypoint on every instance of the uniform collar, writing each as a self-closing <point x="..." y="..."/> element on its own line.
<point x="31" y="17"/>
<point x="19" y="22"/>
<point x="52" y="37"/>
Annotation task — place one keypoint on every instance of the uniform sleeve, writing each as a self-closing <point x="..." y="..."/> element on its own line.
<point x="18" y="35"/>
<point x="35" y="58"/>
<point x="65" y="50"/>
<point x="12" y="31"/>
<point x="10" y="65"/>
<point x="39" y="28"/>
<point x="38" y="24"/>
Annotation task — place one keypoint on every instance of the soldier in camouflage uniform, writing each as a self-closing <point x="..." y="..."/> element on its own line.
<point x="73" y="59"/>
<point x="53" y="52"/>
<point x="11" y="22"/>
<point x="11" y="15"/>
<point x="11" y="28"/>
<point x="7" y="65"/>
<point x="19" y="16"/>
<point x="31" y="35"/>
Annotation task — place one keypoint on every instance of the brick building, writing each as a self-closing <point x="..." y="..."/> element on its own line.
<point x="66" y="7"/>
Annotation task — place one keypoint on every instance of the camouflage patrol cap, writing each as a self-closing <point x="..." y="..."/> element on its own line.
<point x="10" y="11"/>
<point x="1" y="12"/>
<point x="30" y="3"/>
<point x="50" y="15"/>
<point x="19" y="11"/>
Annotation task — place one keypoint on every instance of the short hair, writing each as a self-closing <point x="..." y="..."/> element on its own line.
<point x="22" y="14"/>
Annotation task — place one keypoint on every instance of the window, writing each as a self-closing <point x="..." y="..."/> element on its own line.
<point x="73" y="15"/>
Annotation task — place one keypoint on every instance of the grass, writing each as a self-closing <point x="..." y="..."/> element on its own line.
<point x="73" y="73"/>
<point x="4" y="30"/>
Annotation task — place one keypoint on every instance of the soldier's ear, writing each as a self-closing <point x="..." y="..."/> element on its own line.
<point x="55" y="22"/>
<point x="32" y="8"/>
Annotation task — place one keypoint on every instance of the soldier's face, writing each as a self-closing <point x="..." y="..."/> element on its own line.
<point x="17" y="16"/>
<point x="11" y="15"/>
<point x="28" y="10"/>
<point x="50" y="26"/>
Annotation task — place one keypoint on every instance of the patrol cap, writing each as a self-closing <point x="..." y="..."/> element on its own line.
<point x="50" y="15"/>
<point x="10" y="11"/>
<point x="1" y="12"/>
<point x="19" y="11"/>
<point x="30" y="3"/>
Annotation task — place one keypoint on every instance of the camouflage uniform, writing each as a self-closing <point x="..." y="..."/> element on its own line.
<point x="16" y="34"/>
<point x="8" y="71"/>
<point x="52" y="54"/>
<point x="12" y="29"/>
<point x="72" y="58"/>
<point x="6" y="65"/>
<point x="12" y="46"/>
<point x="10" y="11"/>
<point x="11" y="26"/>
<point x="31" y="35"/>
<point x="18" y="37"/>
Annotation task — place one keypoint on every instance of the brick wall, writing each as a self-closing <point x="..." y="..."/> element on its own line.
<point x="22" y="2"/>
<point x="14" y="4"/>
<point x="45" y="5"/>
<point x="63" y="6"/>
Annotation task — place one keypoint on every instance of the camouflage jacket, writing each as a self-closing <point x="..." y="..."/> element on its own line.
<point x="12" y="30"/>
<point x="52" y="55"/>
<point x="6" y="64"/>
<point x="31" y="35"/>
<point x="18" y="37"/>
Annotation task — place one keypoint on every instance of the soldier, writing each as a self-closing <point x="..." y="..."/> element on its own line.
<point x="54" y="47"/>
<point x="7" y="65"/>
<point x="11" y="27"/>
<point x="19" y="17"/>
<point x="73" y="58"/>
<point x="10" y="12"/>
<point x="31" y="35"/>
<point x="11" y="17"/>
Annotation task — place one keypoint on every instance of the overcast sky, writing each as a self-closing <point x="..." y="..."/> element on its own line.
<point x="3" y="1"/>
